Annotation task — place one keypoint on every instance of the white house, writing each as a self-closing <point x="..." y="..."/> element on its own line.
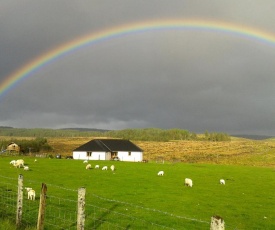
<point x="108" y="149"/>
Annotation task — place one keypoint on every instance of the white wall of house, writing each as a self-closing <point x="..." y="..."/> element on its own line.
<point x="123" y="156"/>
<point x="95" y="156"/>
<point x="130" y="156"/>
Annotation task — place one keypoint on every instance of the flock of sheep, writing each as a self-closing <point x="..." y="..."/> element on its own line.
<point x="18" y="164"/>
<point x="188" y="182"/>
<point x="31" y="193"/>
<point x="89" y="166"/>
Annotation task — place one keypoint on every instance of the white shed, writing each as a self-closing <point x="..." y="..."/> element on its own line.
<point x="108" y="149"/>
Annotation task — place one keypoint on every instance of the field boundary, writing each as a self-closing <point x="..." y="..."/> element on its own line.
<point x="69" y="213"/>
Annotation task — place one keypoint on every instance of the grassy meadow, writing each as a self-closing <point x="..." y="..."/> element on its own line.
<point x="136" y="198"/>
<point x="238" y="151"/>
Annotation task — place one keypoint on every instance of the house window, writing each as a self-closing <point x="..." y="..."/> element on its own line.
<point x="89" y="154"/>
<point x="129" y="153"/>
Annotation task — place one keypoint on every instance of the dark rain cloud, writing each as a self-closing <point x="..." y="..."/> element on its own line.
<point x="195" y="80"/>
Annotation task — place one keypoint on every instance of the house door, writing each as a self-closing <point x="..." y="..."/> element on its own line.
<point x="113" y="155"/>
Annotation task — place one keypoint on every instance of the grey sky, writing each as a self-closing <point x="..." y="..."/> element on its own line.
<point x="195" y="80"/>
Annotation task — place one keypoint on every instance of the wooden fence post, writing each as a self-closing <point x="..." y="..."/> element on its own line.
<point x="42" y="205"/>
<point x="19" y="209"/>
<point x="217" y="223"/>
<point x="81" y="209"/>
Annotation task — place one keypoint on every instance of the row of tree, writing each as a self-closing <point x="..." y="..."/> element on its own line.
<point x="28" y="146"/>
<point x="148" y="134"/>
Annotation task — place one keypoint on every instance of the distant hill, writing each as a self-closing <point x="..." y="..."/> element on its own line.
<point x="128" y="133"/>
<point x="253" y="137"/>
<point x="87" y="129"/>
<point x="6" y="127"/>
<point x="76" y="129"/>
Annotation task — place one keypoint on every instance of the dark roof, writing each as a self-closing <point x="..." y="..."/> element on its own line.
<point x="109" y="145"/>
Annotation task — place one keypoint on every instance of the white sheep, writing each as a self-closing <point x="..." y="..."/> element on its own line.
<point x="85" y="161"/>
<point x="222" y="181"/>
<point x="19" y="163"/>
<point x="104" y="168"/>
<point x="88" y="166"/>
<point x="160" y="173"/>
<point x="97" y="167"/>
<point x="112" y="167"/>
<point x="26" y="168"/>
<point x="35" y="160"/>
<point x="13" y="162"/>
<point x="31" y="193"/>
<point x="188" y="182"/>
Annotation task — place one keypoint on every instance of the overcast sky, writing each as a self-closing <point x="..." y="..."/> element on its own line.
<point x="188" y="79"/>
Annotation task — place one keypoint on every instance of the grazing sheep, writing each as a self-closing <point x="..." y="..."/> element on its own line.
<point x="160" y="173"/>
<point x="19" y="163"/>
<point x="31" y="193"/>
<point x="222" y="181"/>
<point x="112" y="167"/>
<point x="104" y="168"/>
<point x="13" y="162"/>
<point x="88" y="166"/>
<point x="97" y="167"/>
<point x="26" y="168"/>
<point x="85" y="161"/>
<point x="188" y="182"/>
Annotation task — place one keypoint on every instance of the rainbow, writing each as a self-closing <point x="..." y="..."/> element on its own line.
<point x="175" y="24"/>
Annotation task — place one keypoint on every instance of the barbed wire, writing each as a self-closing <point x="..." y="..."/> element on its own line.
<point x="10" y="178"/>
<point x="128" y="216"/>
<point x="149" y="209"/>
<point x="65" y="209"/>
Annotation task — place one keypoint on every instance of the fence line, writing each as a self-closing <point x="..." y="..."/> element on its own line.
<point x="149" y="209"/>
<point x="129" y="217"/>
<point x="61" y="212"/>
<point x="121" y="202"/>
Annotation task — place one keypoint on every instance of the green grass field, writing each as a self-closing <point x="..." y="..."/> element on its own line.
<point x="134" y="197"/>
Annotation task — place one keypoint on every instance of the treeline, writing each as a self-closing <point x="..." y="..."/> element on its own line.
<point x="216" y="136"/>
<point x="38" y="132"/>
<point x="36" y="145"/>
<point x="148" y="134"/>
<point x="152" y="134"/>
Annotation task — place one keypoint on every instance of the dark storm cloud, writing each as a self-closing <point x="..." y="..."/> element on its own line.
<point x="195" y="80"/>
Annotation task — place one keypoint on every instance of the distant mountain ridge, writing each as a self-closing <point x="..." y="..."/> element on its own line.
<point x="247" y="136"/>
<point x="87" y="129"/>
<point x="253" y="137"/>
<point x="76" y="129"/>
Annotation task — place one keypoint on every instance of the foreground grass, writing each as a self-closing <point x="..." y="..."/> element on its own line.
<point x="245" y="202"/>
<point x="6" y="224"/>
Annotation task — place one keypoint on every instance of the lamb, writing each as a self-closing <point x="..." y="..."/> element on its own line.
<point x="222" y="181"/>
<point x="188" y="182"/>
<point x="97" y="167"/>
<point x="112" y="167"/>
<point x="88" y="166"/>
<point x="160" y="173"/>
<point x="19" y="163"/>
<point x="26" y="168"/>
<point x="104" y="168"/>
<point x="85" y="161"/>
<point x="31" y="193"/>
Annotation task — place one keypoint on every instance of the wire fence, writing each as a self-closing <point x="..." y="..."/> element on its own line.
<point x="61" y="210"/>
